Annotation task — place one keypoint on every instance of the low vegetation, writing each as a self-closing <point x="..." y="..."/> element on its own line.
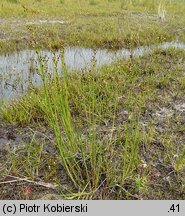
<point x="108" y="24"/>
<point x="117" y="132"/>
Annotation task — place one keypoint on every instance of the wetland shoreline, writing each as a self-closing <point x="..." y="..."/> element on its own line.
<point x="115" y="131"/>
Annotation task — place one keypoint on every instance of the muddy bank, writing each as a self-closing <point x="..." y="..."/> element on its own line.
<point x="164" y="182"/>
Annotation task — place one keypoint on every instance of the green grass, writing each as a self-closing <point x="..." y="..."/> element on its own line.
<point x="85" y="160"/>
<point x="97" y="121"/>
<point x="72" y="8"/>
<point x="114" y="131"/>
<point x="110" y="24"/>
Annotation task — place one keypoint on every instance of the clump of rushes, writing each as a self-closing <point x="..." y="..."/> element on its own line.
<point x="76" y="109"/>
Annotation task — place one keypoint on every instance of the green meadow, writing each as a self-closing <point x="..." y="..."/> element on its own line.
<point x="110" y="132"/>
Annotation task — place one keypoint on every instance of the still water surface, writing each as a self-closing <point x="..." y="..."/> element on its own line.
<point x="20" y="69"/>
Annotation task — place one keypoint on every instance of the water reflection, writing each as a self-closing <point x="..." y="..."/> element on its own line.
<point x="18" y="70"/>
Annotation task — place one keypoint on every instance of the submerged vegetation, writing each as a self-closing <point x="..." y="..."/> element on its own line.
<point x="111" y="132"/>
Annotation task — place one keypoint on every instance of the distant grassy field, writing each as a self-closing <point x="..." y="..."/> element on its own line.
<point x="106" y="23"/>
<point x="73" y="8"/>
